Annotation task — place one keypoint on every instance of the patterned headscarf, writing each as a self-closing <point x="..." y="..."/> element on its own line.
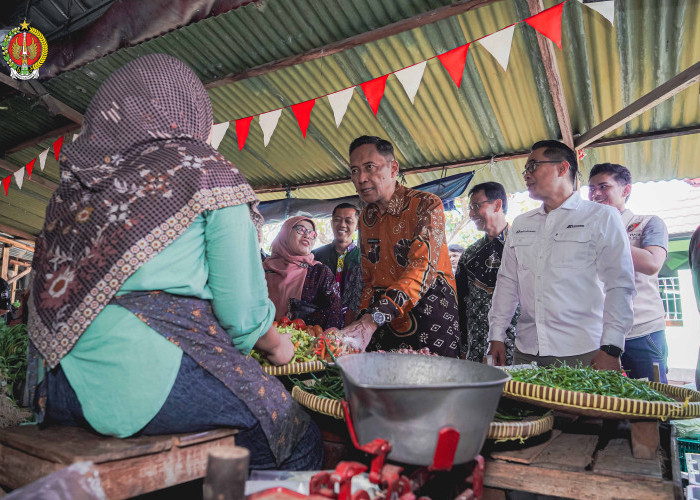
<point x="137" y="176"/>
<point x="285" y="271"/>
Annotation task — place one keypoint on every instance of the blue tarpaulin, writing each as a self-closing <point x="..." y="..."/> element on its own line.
<point x="447" y="188"/>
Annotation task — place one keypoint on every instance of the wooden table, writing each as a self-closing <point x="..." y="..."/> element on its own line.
<point x="126" y="467"/>
<point x="587" y="459"/>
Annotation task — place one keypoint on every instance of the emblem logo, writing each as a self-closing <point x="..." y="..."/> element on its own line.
<point x="24" y="49"/>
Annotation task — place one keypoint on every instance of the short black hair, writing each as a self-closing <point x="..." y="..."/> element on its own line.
<point x="555" y="150"/>
<point x="346" y="205"/>
<point x="455" y="248"/>
<point x="383" y="146"/>
<point x="620" y="173"/>
<point x="492" y="191"/>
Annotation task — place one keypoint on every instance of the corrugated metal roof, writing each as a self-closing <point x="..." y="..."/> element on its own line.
<point x="603" y="68"/>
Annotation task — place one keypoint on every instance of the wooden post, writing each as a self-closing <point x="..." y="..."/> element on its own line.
<point x="5" y="262"/>
<point x="227" y="470"/>
<point x="645" y="438"/>
<point x="15" y="268"/>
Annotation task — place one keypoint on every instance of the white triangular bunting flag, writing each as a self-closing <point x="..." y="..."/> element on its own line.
<point x="217" y="133"/>
<point x="498" y="44"/>
<point x="339" y="103"/>
<point x="268" y="124"/>
<point x="606" y="9"/>
<point x="75" y="136"/>
<point x="42" y="158"/>
<point x="19" y="177"/>
<point x="410" y="78"/>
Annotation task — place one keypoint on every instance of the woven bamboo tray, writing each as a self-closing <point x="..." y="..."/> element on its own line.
<point x="594" y="405"/>
<point x="500" y="431"/>
<point x="295" y="368"/>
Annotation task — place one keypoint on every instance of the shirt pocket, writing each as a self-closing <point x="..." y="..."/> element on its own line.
<point x="572" y="249"/>
<point x="523" y="244"/>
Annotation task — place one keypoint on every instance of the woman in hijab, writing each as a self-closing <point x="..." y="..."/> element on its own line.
<point x="147" y="293"/>
<point x="299" y="286"/>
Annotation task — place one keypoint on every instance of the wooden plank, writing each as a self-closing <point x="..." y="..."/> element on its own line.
<point x="139" y="475"/>
<point x="5" y="262"/>
<point x="18" y="468"/>
<point x="645" y="136"/>
<point x="71" y="444"/>
<point x="16" y="243"/>
<point x="17" y="233"/>
<point x="183" y="440"/>
<point x="578" y="485"/>
<point x="51" y="135"/>
<point x="13" y="281"/>
<point x="645" y="438"/>
<point x="525" y="455"/>
<point x="570" y="452"/>
<point x="661" y="93"/>
<point x="616" y="459"/>
<point x="34" y="89"/>
<point x="458" y="7"/>
<point x="556" y="89"/>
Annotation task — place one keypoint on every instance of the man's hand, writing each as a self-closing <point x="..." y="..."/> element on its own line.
<point x="498" y="352"/>
<point x="358" y="334"/>
<point x="604" y="361"/>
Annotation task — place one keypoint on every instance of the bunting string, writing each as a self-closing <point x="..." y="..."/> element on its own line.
<point x="498" y="44"/>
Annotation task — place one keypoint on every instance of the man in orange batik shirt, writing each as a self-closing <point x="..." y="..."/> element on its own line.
<point x="409" y="298"/>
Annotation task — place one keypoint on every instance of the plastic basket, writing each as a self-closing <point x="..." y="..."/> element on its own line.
<point x="687" y="445"/>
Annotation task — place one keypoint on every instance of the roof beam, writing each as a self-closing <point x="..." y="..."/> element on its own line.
<point x="11" y="168"/>
<point x="17" y="233"/>
<point x="645" y="136"/>
<point x="34" y="89"/>
<point x="666" y="90"/>
<point x="410" y="23"/>
<point x="53" y="134"/>
<point x="15" y="243"/>
<point x="419" y="170"/>
<point x="554" y="79"/>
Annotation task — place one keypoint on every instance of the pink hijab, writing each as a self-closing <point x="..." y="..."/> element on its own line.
<point x="285" y="272"/>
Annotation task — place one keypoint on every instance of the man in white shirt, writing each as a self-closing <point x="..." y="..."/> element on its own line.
<point x="645" y="344"/>
<point x="568" y="264"/>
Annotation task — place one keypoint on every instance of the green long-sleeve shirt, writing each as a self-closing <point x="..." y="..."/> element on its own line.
<point x="121" y="370"/>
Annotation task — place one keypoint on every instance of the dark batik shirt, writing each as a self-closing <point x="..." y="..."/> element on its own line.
<point x="407" y="274"/>
<point x="476" y="280"/>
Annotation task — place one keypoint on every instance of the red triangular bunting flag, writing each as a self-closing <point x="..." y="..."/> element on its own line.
<point x="548" y="22"/>
<point x="29" y="166"/>
<point x="454" y="62"/>
<point x="302" y="111"/>
<point x="242" y="129"/>
<point x="57" y="145"/>
<point x="6" y="183"/>
<point x="374" y="91"/>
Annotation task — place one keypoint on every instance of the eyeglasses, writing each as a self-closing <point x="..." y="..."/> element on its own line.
<point x="531" y="165"/>
<point x="473" y="207"/>
<point x="309" y="233"/>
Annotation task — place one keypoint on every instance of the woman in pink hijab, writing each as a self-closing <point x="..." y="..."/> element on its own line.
<point x="299" y="286"/>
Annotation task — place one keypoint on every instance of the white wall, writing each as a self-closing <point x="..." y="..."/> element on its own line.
<point x="683" y="342"/>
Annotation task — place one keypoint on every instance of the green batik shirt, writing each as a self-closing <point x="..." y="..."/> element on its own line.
<point x="476" y="280"/>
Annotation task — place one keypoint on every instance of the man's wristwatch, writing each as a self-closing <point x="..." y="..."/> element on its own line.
<point x="611" y="350"/>
<point x="378" y="318"/>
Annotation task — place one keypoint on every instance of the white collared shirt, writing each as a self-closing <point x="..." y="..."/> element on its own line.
<point x="571" y="271"/>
